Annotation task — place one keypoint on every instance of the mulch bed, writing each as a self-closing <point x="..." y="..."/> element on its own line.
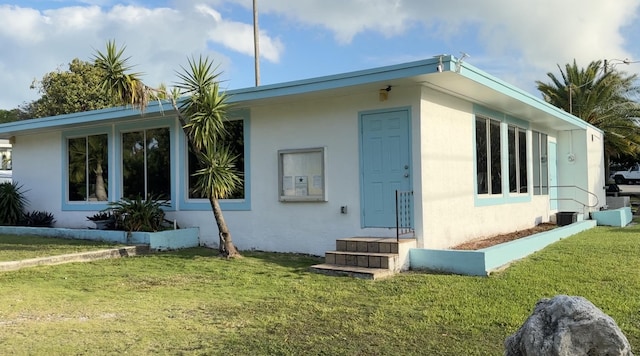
<point x="498" y="239"/>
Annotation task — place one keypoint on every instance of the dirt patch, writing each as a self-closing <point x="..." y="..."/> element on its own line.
<point x="498" y="239"/>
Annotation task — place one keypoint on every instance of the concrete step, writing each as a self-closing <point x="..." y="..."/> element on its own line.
<point x="362" y="259"/>
<point x="76" y="257"/>
<point x="352" y="271"/>
<point x="368" y="244"/>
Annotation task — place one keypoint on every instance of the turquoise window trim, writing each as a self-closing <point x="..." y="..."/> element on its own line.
<point x="517" y="122"/>
<point x="146" y="124"/>
<point x="226" y="204"/>
<point x="505" y="197"/>
<point x="64" y="189"/>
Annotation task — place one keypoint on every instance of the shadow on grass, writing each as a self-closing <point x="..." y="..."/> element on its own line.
<point x="296" y="261"/>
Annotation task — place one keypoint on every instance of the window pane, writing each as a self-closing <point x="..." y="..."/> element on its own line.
<point x="537" y="163"/>
<point x="481" y="156"/>
<point x="158" y="172"/>
<point x="496" y="165"/>
<point x="234" y="137"/>
<point x="77" y="149"/>
<point x="146" y="164"/>
<point x="88" y="168"/>
<point x="133" y="173"/>
<point x="513" y="157"/>
<point x="522" y="160"/>
<point x="98" y="167"/>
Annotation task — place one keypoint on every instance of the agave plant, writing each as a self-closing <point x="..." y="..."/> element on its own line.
<point x="12" y="203"/>
<point x="139" y="214"/>
<point x="38" y="219"/>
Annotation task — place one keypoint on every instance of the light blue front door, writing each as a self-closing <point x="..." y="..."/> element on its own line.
<point x="553" y="177"/>
<point x="385" y="165"/>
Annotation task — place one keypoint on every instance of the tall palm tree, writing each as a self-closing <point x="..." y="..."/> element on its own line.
<point x="602" y="97"/>
<point x="202" y="113"/>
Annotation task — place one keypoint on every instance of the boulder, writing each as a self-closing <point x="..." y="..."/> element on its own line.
<point x="567" y="325"/>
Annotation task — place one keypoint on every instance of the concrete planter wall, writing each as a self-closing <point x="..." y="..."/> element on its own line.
<point x="614" y="217"/>
<point x="162" y="240"/>
<point x="482" y="262"/>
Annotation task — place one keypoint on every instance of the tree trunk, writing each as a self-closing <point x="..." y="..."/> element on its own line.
<point x="101" y="192"/>
<point x="226" y="246"/>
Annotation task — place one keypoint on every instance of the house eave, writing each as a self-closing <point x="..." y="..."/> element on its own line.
<point x="441" y="73"/>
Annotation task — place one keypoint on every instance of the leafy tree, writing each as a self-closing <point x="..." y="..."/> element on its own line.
<point x="202" y="113"/>
<point x="603" y="98"/>
<point x="9" y="115"/>
<point x="74" y="90"/>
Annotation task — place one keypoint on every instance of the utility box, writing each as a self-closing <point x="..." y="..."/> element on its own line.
<point x="566" y="218"/>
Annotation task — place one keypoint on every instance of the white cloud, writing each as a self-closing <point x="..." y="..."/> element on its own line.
<point x="159" y="40"/>
<point x="518" y="41"/>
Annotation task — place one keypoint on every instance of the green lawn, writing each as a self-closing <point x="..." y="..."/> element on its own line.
<point x="21" y="247"/>
<point x="188" y="302"/>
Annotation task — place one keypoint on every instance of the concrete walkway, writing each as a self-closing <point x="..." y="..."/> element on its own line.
<point x="75" y="257"/>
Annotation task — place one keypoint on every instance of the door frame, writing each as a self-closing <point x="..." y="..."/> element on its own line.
<point x="361" y="115"/>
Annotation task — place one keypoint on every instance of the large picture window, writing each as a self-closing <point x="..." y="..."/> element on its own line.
<point x="540" y="164"/>
<point x="488" y="153"/>
<point x="517" y="141"/>
<point x="233" y="137"/>
<point x="88" y="168"/>
<point x="146" y="164"/>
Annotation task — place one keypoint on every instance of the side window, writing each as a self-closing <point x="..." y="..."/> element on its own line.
<point x="540" y="164"/>
<point x="488" y="153"/>
<point x="517" y="143"/>
<point x="87" y="168"/>
<point x="234" y="139"/>
<point x="146" y="164"/>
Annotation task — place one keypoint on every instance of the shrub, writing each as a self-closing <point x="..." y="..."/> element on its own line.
<point x="139" y="215"/>
<point x="38" y="219"/>
<point x="12" y="203"/>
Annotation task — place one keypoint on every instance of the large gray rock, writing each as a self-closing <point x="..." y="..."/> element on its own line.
<point x="566" y="325"/>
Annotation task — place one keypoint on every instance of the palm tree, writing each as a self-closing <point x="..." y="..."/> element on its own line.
<point x="202" y="114"/>
<point x="601" y="97"/>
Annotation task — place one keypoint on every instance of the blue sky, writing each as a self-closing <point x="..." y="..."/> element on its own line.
<point x="517" y="41"/>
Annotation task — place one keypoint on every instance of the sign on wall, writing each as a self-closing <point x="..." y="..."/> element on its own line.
<point x="302" y="174"/>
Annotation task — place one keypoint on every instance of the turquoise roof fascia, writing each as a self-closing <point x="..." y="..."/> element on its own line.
<point x="481" y="77"/>
<point x="380" y="74"/>
<point x="100" y="115"/>
<point x="331" y="82"/>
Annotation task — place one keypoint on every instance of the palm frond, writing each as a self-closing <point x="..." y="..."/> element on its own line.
<point x="219" y="178"/>
<point x="125" y="86"/>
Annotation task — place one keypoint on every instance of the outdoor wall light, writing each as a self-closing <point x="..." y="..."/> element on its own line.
<point x="384" y="93"/>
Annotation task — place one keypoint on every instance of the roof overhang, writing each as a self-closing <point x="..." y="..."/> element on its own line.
<point x="442" y="73"/>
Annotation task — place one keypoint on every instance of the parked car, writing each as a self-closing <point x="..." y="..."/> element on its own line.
<point x="629" y="176"/>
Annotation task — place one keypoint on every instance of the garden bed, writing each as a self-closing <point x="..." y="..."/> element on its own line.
<point x="483" y="261"/>
<point x="502" y="238"/>
<point x="158" y="241"/>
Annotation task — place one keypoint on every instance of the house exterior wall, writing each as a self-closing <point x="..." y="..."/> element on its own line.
<point x="451" y="213"/>
<point x="309" y="227"/>
<point x="581" y="171"/>
<point x="447" y="211"/>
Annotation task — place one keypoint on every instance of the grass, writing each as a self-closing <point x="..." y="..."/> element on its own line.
<point x="21" y="247"/>
<point x="189" y="302"/>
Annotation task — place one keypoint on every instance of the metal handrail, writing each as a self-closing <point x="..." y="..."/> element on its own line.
<point x="584" y="205"/>
<point x="404" y="203"/>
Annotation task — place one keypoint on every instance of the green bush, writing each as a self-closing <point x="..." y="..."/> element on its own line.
<point x="38" y="219"/>
<point x="138" y="214"/>
<point x="12" y="203"/>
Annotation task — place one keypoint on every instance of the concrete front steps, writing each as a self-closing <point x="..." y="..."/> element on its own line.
<point x="367" y="257"/>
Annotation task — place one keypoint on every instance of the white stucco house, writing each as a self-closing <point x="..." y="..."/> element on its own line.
<point x="323" y="157"/>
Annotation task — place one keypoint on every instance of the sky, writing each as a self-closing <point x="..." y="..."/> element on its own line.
<point x="516" y="41"/>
